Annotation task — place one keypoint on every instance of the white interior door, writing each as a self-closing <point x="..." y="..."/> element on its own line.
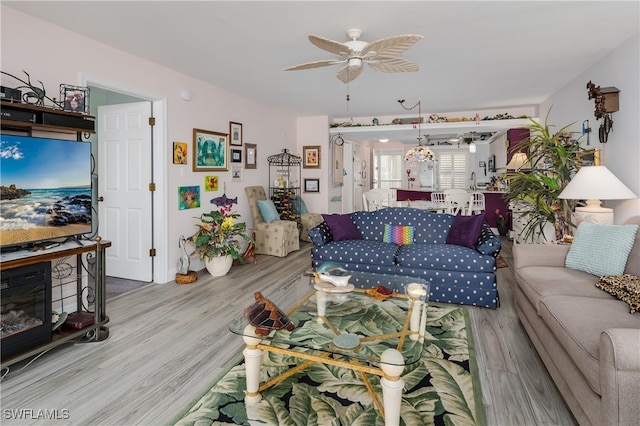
<point x="124" y="175"/>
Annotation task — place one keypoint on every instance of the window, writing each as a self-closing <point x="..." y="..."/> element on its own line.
<point x="453" y="169"/>
<point x="387" y="169"/>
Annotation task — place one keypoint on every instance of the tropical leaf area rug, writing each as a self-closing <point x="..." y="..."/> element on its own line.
<point x="442" y="388"/>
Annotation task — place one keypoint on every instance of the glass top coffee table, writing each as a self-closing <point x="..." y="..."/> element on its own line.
<point x="365" y="330"/>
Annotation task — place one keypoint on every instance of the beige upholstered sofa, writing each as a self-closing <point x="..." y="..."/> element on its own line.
<point x="278" y="238"/>
<point x="588" y="340"/>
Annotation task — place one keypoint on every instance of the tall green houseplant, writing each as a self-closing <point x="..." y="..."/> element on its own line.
<point x="553" y="161"/>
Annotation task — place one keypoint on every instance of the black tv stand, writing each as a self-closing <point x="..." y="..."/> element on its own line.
<point x="75" y="239"/>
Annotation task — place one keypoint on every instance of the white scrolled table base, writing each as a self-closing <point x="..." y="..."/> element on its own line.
<point x="392" y="385"/>
<point x="252" y="359"/>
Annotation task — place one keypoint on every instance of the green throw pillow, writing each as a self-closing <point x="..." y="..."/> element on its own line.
<point x="601" y="249"/>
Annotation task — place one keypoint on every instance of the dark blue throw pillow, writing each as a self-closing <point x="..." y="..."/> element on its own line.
<point x="465" y="230"/>
<point x="342" y="227"/>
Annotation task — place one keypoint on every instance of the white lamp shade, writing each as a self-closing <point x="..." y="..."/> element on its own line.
<point x="596" y="182"/>
<point x="518" y="161"/>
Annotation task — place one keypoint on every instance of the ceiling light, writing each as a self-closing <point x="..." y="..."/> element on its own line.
<point x="419" y="153"/>
<point x="472" y="147"/>
<point x="385" y="140"/>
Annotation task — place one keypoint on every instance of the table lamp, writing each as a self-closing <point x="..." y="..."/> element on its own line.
<point x="518" y="161"/>
<point x="595" y="183"/>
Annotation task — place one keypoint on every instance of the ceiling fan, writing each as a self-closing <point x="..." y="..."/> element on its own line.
<point x="381" y="55"/>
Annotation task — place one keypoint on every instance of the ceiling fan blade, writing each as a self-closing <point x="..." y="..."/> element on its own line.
<point x="393" y="45"/>
<point x="316" y="64"/>
<point x="392" y="64"/>
<point x="348" y="74"/>
<point x="329" y="45"/>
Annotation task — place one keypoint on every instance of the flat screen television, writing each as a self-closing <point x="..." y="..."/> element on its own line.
<point x="45" y="190"/>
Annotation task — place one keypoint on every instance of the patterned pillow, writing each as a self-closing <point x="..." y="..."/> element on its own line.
<point x="599" y="249"/>
<point x="398" y="234"/>
<point x="625" y="287"/>
<point x="320" y="234"/>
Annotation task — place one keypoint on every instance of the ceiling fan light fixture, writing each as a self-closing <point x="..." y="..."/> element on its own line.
<point x="354" y="63"/>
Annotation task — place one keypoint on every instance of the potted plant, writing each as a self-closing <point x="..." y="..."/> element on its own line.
<point x="552" y="163"/>
<point x="217" y="239"/>
<point x="502" y="223"/>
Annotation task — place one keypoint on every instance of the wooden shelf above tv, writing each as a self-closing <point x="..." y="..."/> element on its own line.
<point x="21" y="117"/>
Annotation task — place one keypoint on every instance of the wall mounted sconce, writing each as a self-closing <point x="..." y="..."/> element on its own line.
<point x="606" y="102"/>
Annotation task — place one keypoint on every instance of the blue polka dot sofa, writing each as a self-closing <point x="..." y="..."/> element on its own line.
<point x="457" y="274"/>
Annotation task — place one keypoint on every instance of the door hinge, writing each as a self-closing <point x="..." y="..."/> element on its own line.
<point x="152" y="121"/>
<point x="152" y="186"/>
<point x="152" y="252"/>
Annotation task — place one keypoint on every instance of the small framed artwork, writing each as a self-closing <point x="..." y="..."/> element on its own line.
<point x="250" y="156"/>
<point x="180" y="153"/>
<point x="235" y="131"/>
<point x="210" y="151"/>
<point x="588" y="157"/>
<point x="312" y="185"/>
<point x="236" y="173"/>
<point x="236" y="155"/>
<point x="311" y="157"/>
<point x="188" y="197"/>
<point x="211" y="183"/>
<point x="74" y="98"/>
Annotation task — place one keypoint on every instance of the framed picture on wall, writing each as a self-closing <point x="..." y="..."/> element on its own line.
<point x="235" y="132"/>
<point x="236" y="155"/>
<point x="180" y="153"/>
<point x="236" y="173"/>
<point x="312" y="185"/>
<point x="250" y="156"/>
<point x="311" y="157"/>
<point x="588" y="157"/>
<point x="210" y="151"/>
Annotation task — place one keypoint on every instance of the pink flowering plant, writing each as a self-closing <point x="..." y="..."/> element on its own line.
<point x="218" y="234"/>
<point x="500" y="218"/>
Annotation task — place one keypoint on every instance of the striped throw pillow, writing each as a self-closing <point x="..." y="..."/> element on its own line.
<point x="398" y="234"/>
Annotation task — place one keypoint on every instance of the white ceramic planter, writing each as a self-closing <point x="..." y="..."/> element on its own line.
<point x="219" y="266"/>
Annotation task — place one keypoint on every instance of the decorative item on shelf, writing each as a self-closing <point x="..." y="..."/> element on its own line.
<point x="74" y="98"/>
<point x="36" y="95"/>
<point x="419" y="153"/>
<point x="502" y="223"/>
<point x="216" y="239"/>
<point x="265" y="316"/>
<point x="595" y="183"/>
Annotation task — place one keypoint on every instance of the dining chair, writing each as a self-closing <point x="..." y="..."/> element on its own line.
<point x="376" y="199"/>
<point x="476" y="203"/>
<point x="456" y="201"/>
<point x="439" y="198"/>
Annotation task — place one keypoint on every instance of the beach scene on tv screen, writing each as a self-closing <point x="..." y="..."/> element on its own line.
<point x="45" y="189"/>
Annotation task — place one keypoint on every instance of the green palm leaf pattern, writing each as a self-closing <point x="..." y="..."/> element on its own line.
<point x="439" y="388"/>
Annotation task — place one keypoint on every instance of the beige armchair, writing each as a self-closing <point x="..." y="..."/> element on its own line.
<point x="278" y="238"/>
<point x="308" y="221"/>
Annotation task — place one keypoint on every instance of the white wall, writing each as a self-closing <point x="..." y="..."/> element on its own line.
<point x="619" y="68"/>
<point x="54" y="56"/>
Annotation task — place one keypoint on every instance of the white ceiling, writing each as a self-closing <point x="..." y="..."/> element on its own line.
<point x="475" y="55"/>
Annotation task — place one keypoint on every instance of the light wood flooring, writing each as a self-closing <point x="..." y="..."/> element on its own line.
<point x="168" y="342"/>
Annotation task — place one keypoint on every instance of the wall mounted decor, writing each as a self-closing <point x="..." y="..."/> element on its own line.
<point x="210" y="151"/>
<point x="188" y="197"/>
<point x="236" y="155"/>
<point x="235" y="132"/>
<point x="606" y="102"/>
<point x="337" y="165"/>
<point x="236" y="173"/>
<point x="312" y="185"/>
<point x="180" y="152"/>
<point x="250" y="156"/>
<point x="311" y="157"/>
<point x="211" y="183"/>
<point x="74" y="98"/>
